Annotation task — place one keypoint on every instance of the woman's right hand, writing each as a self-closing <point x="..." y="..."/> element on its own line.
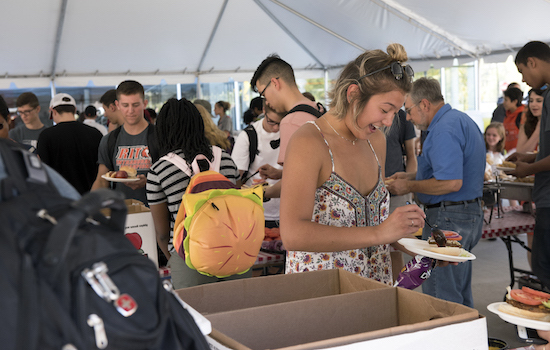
<point x="403" y="222"/>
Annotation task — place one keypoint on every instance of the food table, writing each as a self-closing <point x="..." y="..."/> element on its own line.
<point x="496" y="190"/>
<point x="506" y="227"/>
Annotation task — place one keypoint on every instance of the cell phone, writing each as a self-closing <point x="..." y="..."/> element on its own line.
<point x="529" y="335"/>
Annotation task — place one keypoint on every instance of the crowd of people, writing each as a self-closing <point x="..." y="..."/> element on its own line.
<point x="333" y="205"/>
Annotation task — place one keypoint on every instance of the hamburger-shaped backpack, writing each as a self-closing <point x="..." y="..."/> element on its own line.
<point x="219" y="229"/>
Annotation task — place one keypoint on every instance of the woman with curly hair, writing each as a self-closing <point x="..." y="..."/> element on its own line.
<point x="180" y="130"/>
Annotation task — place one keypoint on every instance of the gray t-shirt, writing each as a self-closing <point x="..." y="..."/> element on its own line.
<point x="225" y="124"/>
<point x="541" y="191"/>
<point x="130" y="150"/>
<point x="27" y="136"/>
<point x="401" y="130"/>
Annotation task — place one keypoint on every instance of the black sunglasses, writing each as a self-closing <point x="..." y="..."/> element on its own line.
<point x="396" y="69"/>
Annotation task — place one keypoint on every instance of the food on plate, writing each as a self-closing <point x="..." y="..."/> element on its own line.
<point x="453" y="251"/>
<point x="527" y="179"/>
<point x="124" y="172"/>
<point x="527" y="303"/>
<point x="439" y="237"/>
<point x="449" y="239"/>
<point x="507" y="164"/>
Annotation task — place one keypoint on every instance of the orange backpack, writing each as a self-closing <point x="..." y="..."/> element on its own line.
<point x="219" y="229"/>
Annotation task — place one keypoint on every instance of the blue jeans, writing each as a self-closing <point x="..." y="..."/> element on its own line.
<point x="454" y="283"/>
<point x="540" y="252"/>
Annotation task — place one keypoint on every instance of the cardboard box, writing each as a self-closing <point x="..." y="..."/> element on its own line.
<point x="261" y="291"/>
<point x="140" y="222"/>
<point x="326" y="309"/>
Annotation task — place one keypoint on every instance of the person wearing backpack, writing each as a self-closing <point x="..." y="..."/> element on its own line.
<point x="256" y="146"/>
<point x="274" y="80"/>
<point x="133" y="144"/>
<point x="180" y="130"/>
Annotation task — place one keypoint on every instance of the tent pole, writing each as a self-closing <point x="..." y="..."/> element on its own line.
<point x="238" y="114"/>
<point x="476" y="79"/>
<point x="178" y="91"/>
<point x="52" y="88"/>
<point x="59" y="31"/>
<point x="326" y="87"/>
<point x="199" y="91"/>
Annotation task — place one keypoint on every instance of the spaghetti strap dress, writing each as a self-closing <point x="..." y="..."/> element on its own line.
<point x="338" y="203"/>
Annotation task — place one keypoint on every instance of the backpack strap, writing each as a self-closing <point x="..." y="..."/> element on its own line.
<point x="252" y="147"/>
<point x="111" y="143"/>
<point x="317" y="112"/>
<point x="23" y="168"/>
<point x="195" y="169"/>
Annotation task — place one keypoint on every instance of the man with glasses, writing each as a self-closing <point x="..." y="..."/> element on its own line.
<point x="449" y="182"/>
<point x="261" y="143"/>
<point x="113" y="114"/>
<point x="28" y="109"/>
<point x="274" y="80"/>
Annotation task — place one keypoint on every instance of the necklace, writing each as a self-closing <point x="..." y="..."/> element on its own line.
<point x="352" y="141"/>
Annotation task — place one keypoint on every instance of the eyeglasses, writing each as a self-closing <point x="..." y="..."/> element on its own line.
<point x="396" y="69"/>
<point x="27" y="112"/>
<point x="408" y="110"/>
<point x="265" y="88"/>
<point x="270" y="121"/>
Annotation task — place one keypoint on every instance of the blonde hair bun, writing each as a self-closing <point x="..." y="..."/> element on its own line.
<point x="397" y="52"/>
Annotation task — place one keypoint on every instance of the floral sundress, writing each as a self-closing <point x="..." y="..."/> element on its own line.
<point x="338" y="203"/>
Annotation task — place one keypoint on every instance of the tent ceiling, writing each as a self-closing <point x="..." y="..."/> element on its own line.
<point x="102" y="42"/>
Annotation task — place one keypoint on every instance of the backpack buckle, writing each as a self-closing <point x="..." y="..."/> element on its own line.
<point x="104" y="287"/>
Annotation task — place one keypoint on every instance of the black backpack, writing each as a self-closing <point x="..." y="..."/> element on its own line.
<point x="253" y="135"/>
<point x="252" y="149"/>
<point x="317" y="112"/>
<point x="70" y="278"/>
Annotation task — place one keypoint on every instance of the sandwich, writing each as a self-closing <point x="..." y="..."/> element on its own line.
<point x="445" y="242"/>
<point x="527" y="303"/>
<point x="124" y="172"/>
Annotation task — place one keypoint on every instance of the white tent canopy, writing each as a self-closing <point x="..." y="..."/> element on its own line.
<point x="102" y="42"/>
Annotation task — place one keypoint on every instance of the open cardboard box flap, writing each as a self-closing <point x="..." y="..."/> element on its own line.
<point x="335" y="320"/>
<point x="135" y="206"/>
<point x="260" y="291"/>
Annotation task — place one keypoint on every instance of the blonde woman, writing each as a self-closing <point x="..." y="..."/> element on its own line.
<point x="334" y="203"/>
<point x="213" y="134"/>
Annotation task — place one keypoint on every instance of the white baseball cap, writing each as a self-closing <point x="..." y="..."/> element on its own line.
<point x="62" y="100"/>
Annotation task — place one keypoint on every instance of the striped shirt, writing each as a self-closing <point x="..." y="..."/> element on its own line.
<point x="167" y="183"/>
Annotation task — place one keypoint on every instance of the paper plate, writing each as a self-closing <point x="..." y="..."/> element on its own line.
<point x="116" y="179"/>
<point x="520" y="321"/>
<point x="419" y="246"/>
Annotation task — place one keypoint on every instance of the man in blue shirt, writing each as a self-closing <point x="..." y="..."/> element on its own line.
<point x="449" y="182"/>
